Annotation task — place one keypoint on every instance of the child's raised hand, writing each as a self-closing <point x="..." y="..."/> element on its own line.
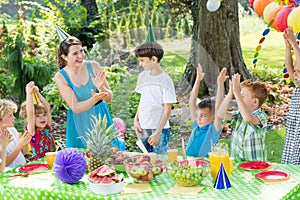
<point x="289" y="35"/>
<point x="222" y="76"/>
<point x="25" y="139"/>
<point x="236" y="83"/>
<point x="200" y="73"/>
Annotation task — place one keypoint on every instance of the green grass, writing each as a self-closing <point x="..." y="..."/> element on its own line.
<point x="274" y="143"/>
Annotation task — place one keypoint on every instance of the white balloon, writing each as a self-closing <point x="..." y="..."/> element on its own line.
<point x="213" y="5"/>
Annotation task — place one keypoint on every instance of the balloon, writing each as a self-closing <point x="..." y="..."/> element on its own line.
<point x="259" y="6"/>
<point x="251" y="2"/>
<point x="294" y="19"/>
<point x="267" y="10"/>
<point x="272" y="15"/>
<point x="281" y="18"/>
<point x="120" y="126"/>
<point x="213" y="5"/>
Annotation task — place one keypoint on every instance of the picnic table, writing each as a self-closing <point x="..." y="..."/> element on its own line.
<point x="46" y="185"/>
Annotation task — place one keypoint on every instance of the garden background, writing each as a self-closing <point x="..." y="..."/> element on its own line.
<point x="28" y="42"/>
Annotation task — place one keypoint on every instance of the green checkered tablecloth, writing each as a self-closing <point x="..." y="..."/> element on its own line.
<point x="244" y="186"/>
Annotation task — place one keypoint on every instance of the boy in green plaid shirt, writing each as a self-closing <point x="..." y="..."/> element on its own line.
<point x="250" y="122"/>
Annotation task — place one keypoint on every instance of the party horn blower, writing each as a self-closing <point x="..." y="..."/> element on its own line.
<point x="222" y="181"/>
<point x="35" y="98"/>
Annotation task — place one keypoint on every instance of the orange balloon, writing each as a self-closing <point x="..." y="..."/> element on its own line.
<point x="272" y="15"/>
<point x="259" y="6"/>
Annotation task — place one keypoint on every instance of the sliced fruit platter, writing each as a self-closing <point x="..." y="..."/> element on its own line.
<point x="144" y="167"/>
<point x="105" y="180"/>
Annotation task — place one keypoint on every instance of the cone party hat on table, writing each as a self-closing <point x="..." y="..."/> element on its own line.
<point x="150" y="37"/>
<point x="222" y="181"/>
<point x="61" y="34"/>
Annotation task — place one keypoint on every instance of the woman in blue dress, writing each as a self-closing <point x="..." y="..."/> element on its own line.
<point x="83" y="86"/>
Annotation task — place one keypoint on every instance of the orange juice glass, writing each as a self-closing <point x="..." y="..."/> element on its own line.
<point x="215" y="159"/>
<point x="50" y="156"/>
<point x="172" y="155"/>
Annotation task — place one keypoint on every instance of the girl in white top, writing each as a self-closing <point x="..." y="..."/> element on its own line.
<point x="18" y="147"/>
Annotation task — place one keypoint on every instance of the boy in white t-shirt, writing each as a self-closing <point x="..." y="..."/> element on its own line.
<point x="157" y="91"/>
<point x="16" y="149"/>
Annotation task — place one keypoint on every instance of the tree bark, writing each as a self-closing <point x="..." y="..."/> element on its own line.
<point x="215" y="44"/>
<point x="91" y="8"/>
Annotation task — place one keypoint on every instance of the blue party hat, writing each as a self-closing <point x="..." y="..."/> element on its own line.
<point x="222" y="181"/>
<point x="61" y="34"/>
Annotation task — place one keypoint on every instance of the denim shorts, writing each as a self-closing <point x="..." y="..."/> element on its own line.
<point x="164" y="139"/>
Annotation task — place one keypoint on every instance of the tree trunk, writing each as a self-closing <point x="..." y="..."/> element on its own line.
<point x="215" y="44"/>
<point x="91" y="8"/>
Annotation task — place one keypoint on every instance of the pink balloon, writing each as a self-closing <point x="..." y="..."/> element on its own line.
<point x="281" y="18"/>
<point x="120" y="126"/>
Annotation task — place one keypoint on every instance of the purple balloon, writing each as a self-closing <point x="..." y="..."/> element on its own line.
<point x="69" y="165"/>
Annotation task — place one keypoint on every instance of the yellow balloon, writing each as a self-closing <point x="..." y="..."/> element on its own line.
<point x="267" y="10"/>
<point x="294" y="19"/>
<point x="288" y="80"/>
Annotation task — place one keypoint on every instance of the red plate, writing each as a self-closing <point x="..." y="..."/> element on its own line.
<point x="38" y="167"/>
<point x="255" y="165"/>
<point x="273" y="176"/>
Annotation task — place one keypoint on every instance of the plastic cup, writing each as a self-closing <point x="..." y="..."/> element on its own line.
<point x="172" y="155"/>
<point x="50" y="156"/>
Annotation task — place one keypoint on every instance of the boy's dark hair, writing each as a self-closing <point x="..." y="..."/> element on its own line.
<point x="207" y="103"/>
<point x="63" y="49"/>
<point x="259" y="89"/>
<point x="149" y="49"/>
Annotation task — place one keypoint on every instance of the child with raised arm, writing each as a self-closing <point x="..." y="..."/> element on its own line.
<point x="157" y="91"/>
<point x="38" y="119"/>
<point x="206" y="127"/>
<point x="291" y="151"/>
<point x="5" y="139"/>
<point x="248" y="135"/>
<point x="16" y="149"/>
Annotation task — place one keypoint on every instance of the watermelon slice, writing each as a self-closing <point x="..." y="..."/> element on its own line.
<point x="106" y="171"/>
<point x="106" y="180"/>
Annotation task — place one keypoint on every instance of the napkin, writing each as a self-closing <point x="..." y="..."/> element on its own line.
<point x="191" y="191"/>
<point x="136" y="188"/>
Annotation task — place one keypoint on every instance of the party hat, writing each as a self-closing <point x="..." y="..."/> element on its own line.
<point x="61" y="34"/>
<point x="150" y="37"/>
<point x="222" y="181"/>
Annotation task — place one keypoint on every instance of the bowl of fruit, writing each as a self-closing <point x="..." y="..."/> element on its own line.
<point x="105" y="180"/>
<point x="118" y="158"/>
<point x="189" y="172"/>
<point x="145" y="167"/>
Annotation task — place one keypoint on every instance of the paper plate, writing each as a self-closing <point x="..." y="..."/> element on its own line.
<point x="255" y="165"/>
<point x="273" y="176"/>
<point x="37" y="167"/>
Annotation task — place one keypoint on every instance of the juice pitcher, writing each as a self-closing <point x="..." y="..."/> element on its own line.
<point x="218" y="155"/>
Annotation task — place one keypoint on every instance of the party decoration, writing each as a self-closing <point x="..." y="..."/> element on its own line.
<point x="150" y="35"/>
<point x="272" y="15"/>
<point x="222" y="181"/>
<point x="120" y="126"/>
<point x="281" y="18"/>
<point x="213" y="5"/>
<point x="267" y="11"/>
<point x="61" y="34"/>
<point x="294" y="19"/>
<point x="69" y="165"/>
<point x="251" y="2"/>
<point x="259" y="6"/>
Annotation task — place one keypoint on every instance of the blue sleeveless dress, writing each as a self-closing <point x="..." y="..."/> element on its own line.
<point x="79" y="124"/>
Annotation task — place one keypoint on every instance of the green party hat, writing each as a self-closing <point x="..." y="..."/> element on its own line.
<point x="150" y="37"/>
<point x="61" y="34"/>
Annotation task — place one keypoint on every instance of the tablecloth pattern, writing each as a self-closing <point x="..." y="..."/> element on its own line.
<point x="244" y="186"/>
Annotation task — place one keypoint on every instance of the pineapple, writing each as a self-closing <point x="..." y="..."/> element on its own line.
<point x="99" y="139"/>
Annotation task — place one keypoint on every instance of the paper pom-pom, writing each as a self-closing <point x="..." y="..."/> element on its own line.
<point x="69" y="165"/>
